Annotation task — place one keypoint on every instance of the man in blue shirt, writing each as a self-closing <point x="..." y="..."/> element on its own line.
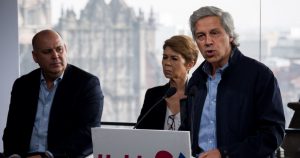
<point x="234" y="107"/>
<point x="54" y="107"/>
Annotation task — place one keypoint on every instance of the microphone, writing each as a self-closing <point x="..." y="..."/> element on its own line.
<point x="171" y="91"/>
<point x="14" y="156"/>
<point x="192" y="95"/>
<point x="48" y="154"/>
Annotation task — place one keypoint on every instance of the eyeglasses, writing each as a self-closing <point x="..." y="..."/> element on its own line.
<point x="171" y="122"/>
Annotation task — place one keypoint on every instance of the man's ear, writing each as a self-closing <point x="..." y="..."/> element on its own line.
<point x="66" y="47"/>
<point x="34" y="56"/>
<point x="230" y="39"/>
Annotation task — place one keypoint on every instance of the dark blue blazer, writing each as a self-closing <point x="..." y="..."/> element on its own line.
<point x="77" y="106"/>
<point x="249" y="111"/>
<point x="155" y="119"/>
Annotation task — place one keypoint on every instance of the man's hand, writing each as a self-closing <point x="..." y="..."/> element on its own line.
<point x="215" y="153"/>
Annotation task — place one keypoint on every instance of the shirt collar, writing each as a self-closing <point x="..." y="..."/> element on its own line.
<point x="56" y="80"/>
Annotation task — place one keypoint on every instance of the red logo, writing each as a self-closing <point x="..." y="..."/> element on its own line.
<point x="163" y="154"/>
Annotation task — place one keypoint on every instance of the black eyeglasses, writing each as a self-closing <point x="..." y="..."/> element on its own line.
<point x="171" y="122"/>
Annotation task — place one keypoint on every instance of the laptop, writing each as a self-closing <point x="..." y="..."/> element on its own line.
<point x="140" y="143"/>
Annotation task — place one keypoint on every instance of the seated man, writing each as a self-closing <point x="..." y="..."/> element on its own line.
<point x="54" y="107"/>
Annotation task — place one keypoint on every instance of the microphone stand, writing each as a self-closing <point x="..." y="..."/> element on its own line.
<point x="138" y="123"/>
<point x="171" y="91"/>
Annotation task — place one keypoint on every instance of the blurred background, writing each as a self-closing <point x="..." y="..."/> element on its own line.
<point x="121" y="41"/>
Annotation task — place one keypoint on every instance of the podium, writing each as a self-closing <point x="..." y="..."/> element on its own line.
<point x="140" y="143"/>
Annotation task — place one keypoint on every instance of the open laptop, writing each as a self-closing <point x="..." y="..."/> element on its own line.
<point x="140" y="143"/>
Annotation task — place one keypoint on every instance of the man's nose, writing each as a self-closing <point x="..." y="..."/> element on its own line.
<point x="54" y="53"/>
<point x="208" y="40"/>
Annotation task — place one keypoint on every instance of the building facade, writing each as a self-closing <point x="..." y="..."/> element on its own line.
<point x="110" y="41"/>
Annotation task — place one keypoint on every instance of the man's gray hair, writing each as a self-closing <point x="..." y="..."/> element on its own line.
<point x="225" y="18"/>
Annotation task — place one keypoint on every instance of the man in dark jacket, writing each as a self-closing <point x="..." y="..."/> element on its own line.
<point x="234" y="107"/>
<point x="54" y="107"/>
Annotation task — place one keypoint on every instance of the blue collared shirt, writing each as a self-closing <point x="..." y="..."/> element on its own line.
<point x="207" y="133"/>
<point x="38" y="141"/>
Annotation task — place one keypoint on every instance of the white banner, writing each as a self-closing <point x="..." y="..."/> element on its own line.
<point x="139" y="143"/>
